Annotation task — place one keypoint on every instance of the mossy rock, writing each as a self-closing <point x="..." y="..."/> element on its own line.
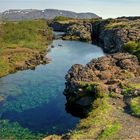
<point x="135" y="106"/>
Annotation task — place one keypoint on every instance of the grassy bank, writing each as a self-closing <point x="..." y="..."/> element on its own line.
<point x="99" y="124"/>
<point x="21" y="41"/>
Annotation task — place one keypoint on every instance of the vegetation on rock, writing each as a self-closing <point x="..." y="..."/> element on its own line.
<point x="133" y="47"/>
<point x="135" y="106"/>
<point x="99" y="124"/>
<point x="62" y="19"/>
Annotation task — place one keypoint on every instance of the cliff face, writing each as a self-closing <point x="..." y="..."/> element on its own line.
<point x="60" y="27"/>
<point x="111" y="35"/>
<point x="79" y="31"/>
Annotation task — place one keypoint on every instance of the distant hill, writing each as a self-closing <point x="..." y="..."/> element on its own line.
<point x="16" y="14"/>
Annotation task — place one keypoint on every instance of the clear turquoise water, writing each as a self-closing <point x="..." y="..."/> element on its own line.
<point x="34" y="98"/>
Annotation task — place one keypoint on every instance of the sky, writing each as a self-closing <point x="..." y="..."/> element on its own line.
<point x="103" y="8"/>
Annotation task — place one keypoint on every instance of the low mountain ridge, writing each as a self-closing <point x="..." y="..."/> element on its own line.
<point x="17" y="14"/>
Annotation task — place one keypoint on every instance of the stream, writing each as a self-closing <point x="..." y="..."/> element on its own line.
<point x="34" y="98"/>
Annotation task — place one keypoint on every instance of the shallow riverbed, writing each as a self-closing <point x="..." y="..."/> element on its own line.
<point x="34" y="98"/>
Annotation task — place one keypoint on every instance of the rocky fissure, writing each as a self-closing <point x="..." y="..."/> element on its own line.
<point x="110" y="34"/>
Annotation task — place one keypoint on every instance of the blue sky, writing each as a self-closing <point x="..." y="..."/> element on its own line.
<point x="104" y="8"/>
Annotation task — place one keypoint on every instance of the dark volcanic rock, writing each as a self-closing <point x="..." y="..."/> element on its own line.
<point x="112" y="34"/>
<point x="129" y="18"/>
<point x="99" y="77"/>
<point x="36" y="59"/>
<point x="113" y="39"/>
<point x="60" y="27"/>
<point x="79" y="31"/>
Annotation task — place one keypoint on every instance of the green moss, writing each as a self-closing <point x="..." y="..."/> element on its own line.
<point x="135" y="106"/>
<point x="135" y="85"/>
<point x="130" y="85"/>
<point x="109" y="131"/>
<point x="93" y="126"/>
<point x="98" y="89"/>
<point x="126" y="88"/>
<point x="13" y="131"/>
<point x="117" y="25"/>
<point x="133" y="47"/>
<point x="61" y="18"/>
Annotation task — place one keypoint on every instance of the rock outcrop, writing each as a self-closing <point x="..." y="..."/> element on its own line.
<point x="112" y="34"/>
<point x="79" y="31"/>
<point x="59" y="26"/>
<point x="36" y="59"/>
<point x="99" y="77"/>
<point x="112" y="40"/>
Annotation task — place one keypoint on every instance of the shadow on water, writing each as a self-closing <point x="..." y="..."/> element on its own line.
<point x="76" y="110"/>
<point x="35" y="98"/>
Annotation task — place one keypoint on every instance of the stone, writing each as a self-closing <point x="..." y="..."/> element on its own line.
<point x="79" y="31"/>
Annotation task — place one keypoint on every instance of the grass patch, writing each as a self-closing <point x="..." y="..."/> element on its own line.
<point x="109" y="131"/>
<point x="95" y="124"/>
<point x="117" y="25"/>
<point x="61" y="18"/>
<point x="125" y="24"/>
<point x="97" y="89"/>
<point x="135" y="106"/>
<point x="133" y="47"/>
<point x="4" y="67"/>
<point x="27" y="34"/>
<point x="65" y="20"/>
<point x="20" y="40"/>
<point x="134" y="85"/>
